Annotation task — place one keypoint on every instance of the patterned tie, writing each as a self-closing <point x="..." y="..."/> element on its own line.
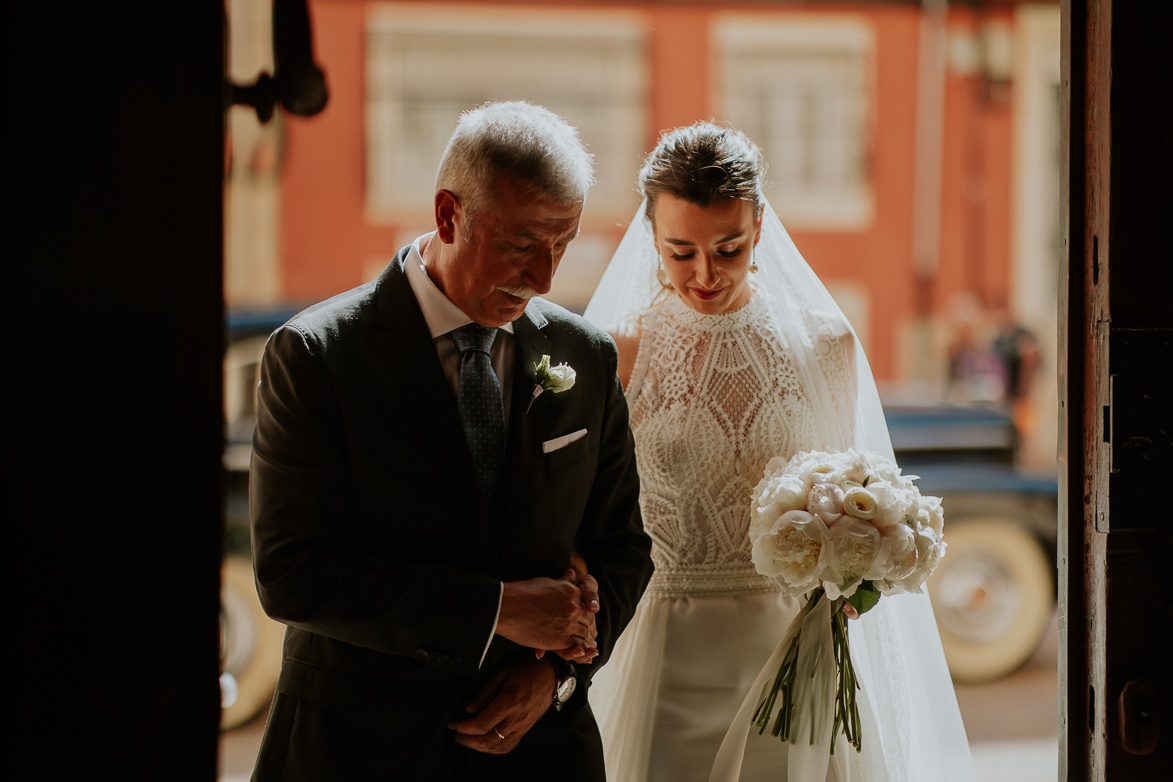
<point x="478" y="397"/>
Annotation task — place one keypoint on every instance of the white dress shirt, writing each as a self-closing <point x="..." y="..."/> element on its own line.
<point x="442" y="317"/>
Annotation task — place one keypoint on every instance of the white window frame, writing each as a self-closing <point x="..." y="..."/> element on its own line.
<point x="814" y="123"/>
<point x="465" y="55"/>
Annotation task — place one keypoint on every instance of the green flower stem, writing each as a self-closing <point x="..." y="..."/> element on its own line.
<point x="846" y="705"/>
<point x="846" y="708"/>
<point x="537" y="392"/>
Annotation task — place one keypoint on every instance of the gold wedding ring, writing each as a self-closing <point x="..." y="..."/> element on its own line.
<point x="500" y="735"/>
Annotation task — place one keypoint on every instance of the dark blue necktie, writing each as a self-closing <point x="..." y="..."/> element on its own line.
<point x="478" y="396"/>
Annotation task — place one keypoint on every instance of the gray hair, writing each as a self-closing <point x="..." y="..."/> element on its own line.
<point x="519" y="140"/>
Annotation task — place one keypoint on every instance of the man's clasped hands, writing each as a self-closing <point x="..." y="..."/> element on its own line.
<point x="547" y="615"/>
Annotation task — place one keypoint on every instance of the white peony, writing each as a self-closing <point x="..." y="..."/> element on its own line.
<point x="931" y="514"/>
<point x="790" y="551"/>
<point x="796" y="465"/>
<point x="929" y="550"/>
<point x="825" y="500"/>
<point x="788" y="491"/>
<point x="848" y="556"/>
<point x="763" y="519"/>
<point x="897" y="553"/>
<point x="893" y="503"/>
<point x="851" y="467"/>
<point x="820" y="471"/>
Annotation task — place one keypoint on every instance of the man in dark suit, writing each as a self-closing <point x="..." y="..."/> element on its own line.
<point x="415" y="506"/>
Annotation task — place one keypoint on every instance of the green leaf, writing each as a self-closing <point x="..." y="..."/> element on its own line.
<point x="865" y="598"/>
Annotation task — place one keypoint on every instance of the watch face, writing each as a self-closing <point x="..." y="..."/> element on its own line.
<point x="566" y="689"/>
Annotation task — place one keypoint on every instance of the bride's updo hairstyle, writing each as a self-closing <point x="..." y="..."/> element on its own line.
<point x="703" y="164"/>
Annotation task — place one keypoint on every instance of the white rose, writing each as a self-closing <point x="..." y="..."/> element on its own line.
<point x="790" y="551"/>
<point x="826" y="501"/>
<point x="561" y="379"/>
<point x="848" y="555"/>
<point x="546" y="378"/>
<point x="860" y="503"/>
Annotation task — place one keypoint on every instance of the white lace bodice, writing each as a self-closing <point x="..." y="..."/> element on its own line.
<point x="713" y="398"/>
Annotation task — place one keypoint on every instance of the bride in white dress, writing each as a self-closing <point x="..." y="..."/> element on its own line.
<point x="732" y="353"/>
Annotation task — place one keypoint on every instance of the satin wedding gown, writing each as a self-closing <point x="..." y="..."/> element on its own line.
<point x="713" y="398"/>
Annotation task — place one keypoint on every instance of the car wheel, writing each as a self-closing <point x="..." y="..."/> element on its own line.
<point x="250" y="646"/>
<point x="993" y="595"/>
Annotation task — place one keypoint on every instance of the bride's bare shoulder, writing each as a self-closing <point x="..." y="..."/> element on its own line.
<point x="626" y="334"/>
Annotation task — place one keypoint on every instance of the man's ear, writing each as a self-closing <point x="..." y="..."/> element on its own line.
<point x="447" y="206"/>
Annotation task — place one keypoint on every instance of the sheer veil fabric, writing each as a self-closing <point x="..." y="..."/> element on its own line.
<point x="912" y="728"/>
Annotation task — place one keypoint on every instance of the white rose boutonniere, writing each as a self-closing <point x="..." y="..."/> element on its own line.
<point x="547" y="378"/>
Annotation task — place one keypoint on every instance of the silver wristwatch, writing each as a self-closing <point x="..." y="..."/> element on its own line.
<point x="564" y="684"/>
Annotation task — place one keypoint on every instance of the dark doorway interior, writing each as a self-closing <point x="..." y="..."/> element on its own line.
<point x="112" y="277"/>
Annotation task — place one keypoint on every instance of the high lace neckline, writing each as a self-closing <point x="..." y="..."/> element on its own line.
<point x="713" y="398"/>
<point x="753" y="311"/>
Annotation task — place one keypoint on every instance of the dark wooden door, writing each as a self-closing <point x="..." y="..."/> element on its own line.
<point x="1116" y="346"/>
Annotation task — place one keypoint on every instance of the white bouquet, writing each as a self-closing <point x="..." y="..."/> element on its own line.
<point x="844" y="527"/>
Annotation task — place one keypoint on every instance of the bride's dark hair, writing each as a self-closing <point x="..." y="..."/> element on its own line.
<point x="703" y="163"/>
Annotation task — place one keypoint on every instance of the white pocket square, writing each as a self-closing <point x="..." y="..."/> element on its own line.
<point x="561" y="442"/>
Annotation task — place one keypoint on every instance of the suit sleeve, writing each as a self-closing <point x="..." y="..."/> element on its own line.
<point x="311" y="570"/>
<point x="612" y="538"/>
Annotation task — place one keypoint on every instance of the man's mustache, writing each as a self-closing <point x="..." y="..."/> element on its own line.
<point x="520" y="291"/>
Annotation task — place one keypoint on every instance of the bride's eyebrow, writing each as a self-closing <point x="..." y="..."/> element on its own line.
<point x="730" y="238"/>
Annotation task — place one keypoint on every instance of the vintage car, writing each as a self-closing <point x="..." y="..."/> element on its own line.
<point x="994" y="591"/>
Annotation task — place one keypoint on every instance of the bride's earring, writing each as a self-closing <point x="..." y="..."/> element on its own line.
<point x="662" y="276"/>
<point x="753" y="262"/>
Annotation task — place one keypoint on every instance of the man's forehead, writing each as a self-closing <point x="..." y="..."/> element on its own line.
<point x="537" y="220"/>
<point x="568" y="227"/>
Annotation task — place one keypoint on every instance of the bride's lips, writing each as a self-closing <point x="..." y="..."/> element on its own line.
<point x="701" y="293"/>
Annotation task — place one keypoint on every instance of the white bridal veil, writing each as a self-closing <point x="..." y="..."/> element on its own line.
<point x="915" y="733"/>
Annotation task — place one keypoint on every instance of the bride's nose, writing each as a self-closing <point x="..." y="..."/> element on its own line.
<point x="706" y="272"/>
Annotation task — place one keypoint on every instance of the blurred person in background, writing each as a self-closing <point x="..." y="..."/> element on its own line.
<point x="415" y="506"/>
<point x="1017" y="348"/>
<point x="976" y="373"/>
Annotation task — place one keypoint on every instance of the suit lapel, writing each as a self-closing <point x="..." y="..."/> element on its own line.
<point x="410" y="353"/>
<point x="526" y="429"/>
